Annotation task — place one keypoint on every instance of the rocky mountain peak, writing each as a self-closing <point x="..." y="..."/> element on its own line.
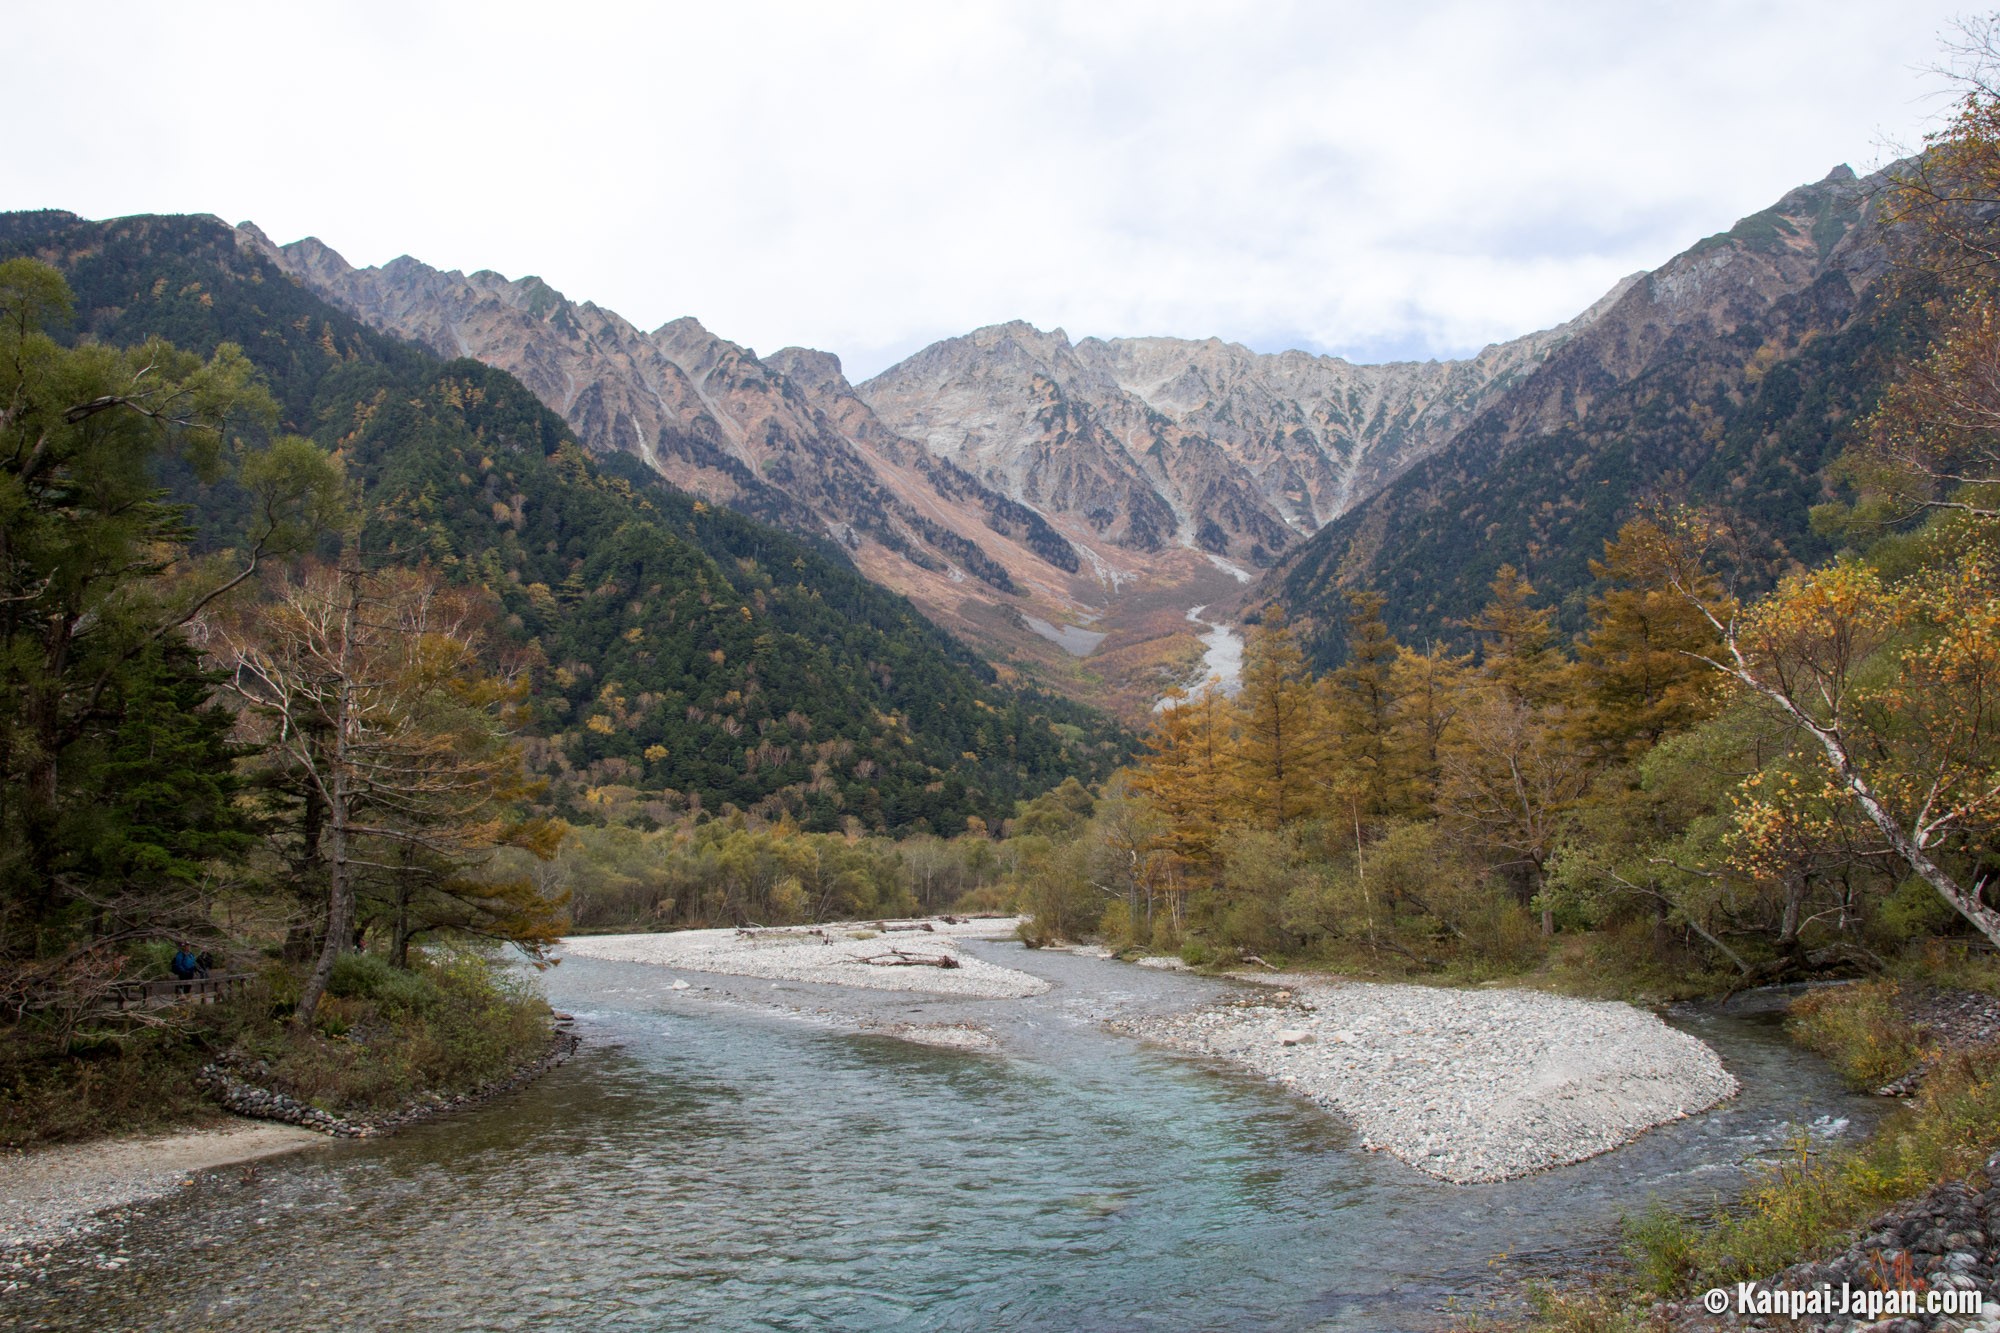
<point x="810" y="369"/>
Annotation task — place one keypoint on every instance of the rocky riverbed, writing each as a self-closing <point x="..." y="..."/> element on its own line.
<point x="1465" y="1085"/>
<point x="1948" y="1239"/>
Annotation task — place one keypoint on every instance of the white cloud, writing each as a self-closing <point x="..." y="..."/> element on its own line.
<point x="868" y="177"/>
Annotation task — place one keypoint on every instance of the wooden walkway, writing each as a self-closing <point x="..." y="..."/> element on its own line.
<point x="198" y="990"/>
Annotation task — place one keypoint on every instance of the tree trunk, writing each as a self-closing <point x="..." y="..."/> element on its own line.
<point x="302" y="939"/>
<point x="1963" y="901"/>
<point x="399" y="943"/>
<point x="339" y="800"/>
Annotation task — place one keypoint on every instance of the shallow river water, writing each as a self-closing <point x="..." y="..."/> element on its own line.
<point x="703" y="1164"/>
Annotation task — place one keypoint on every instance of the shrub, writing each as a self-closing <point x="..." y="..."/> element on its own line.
<point x="450" y="1023"/>
<point x="1663" y="1248"/>
<point x="368" y="976"/>
<point x="133" y="1081"/>
<point x="1859" y="1029"/>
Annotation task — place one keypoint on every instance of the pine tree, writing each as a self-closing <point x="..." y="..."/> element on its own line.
<point x="96" y="587"/>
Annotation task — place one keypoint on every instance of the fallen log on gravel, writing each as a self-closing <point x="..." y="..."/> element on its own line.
<point x="897" y="958"/>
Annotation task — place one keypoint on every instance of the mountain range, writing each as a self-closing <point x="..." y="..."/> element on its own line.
<point x="1058" y="503"/>
<point x="1729" y="378"/>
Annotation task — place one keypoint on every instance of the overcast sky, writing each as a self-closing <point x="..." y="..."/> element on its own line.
<point x="1376" y="180"/>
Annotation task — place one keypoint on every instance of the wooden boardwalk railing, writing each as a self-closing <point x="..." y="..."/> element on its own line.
<point x="196" y="990"/>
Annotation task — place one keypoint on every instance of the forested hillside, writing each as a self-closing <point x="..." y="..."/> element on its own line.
<point x="676" y="651"/>
<point x="1731" y="376"/>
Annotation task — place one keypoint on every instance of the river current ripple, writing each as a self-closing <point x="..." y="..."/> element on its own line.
<point x="705" y="1165"/>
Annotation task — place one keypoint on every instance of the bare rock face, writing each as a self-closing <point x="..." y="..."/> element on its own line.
<point x="1166" y="441"/>
<point x="976" y="454"/>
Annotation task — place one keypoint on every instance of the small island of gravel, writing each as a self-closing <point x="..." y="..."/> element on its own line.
<point x="1469" y="1086"/>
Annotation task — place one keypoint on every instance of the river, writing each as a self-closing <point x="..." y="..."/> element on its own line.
<point x="1221" y="658"/>
<point x="705" y="1164"/>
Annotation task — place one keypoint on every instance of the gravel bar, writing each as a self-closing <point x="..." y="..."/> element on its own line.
<point x="1468" y="1086"/>
<point x="919" y="956"/>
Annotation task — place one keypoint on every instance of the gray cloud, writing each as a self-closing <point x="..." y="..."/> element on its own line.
<point x="1375" y="180"/>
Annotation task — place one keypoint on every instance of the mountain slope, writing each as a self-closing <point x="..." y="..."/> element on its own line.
<point x="679" y="648"/>
<point x="1729" y="376"/>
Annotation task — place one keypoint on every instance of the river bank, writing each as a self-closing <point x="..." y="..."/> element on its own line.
<point x="49" y="1196"/>
<point x="52" y="1196"/>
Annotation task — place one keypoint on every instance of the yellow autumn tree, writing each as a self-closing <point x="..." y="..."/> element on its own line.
<point x="1431" y="689"/>
<point x="1368" y="751"/>
<point x="1897" y="685"/>
<point x="1183" y="775"/>
<point x="1514" y="767"/>
<point x="1640" y="663"/>
<point x="1278" y="763"/>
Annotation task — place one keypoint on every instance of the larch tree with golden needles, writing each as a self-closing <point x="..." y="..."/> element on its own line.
<point x="1431" y="689"/>
<point x="1641" y="668"/>
<point x="1514" y="768"/>
<point x="1365" y="744"/>
<point x="1182" y="775"/>
<point x="1279" y="758"/>
<point x="1517" y="641"/>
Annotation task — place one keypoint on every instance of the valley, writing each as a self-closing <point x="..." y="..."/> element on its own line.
<point x="1028" y="491"/>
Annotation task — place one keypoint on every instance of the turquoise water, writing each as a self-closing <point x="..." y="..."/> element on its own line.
<point x="701" y="1165"/>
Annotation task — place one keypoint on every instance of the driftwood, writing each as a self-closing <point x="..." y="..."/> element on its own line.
<point x="1253" y="958"/>
<point x="897" y="958"/>
<point x="885" y="928"/>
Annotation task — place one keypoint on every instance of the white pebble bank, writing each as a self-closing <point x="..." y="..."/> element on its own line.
<point x="1466" y="1085"/>
<point x="830" y="955"/>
